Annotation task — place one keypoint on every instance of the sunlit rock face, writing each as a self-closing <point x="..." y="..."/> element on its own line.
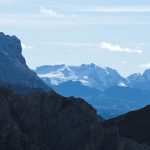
<point x="13" y="68"/>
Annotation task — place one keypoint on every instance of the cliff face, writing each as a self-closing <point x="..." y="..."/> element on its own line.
<point x="13" y="68"/>
<point x="47" y="121"/>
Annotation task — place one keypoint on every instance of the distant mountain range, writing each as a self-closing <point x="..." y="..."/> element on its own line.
<point x="89" y="75"/>
<point x="104" y="88"/>
<point x="92" y="75"/>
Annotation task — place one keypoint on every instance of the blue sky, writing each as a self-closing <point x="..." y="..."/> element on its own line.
<point x="110" y="33"/>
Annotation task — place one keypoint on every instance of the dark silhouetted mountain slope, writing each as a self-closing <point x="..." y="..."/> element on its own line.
<point x="134" y="125"/>
<point x="48" y="121"/>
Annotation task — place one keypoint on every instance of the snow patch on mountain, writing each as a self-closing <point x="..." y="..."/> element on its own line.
<point x="88" y="74"/>
<point x="122" y="84"/>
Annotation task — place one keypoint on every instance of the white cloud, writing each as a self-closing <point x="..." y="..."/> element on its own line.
<point x="49" y="12"/>
<point x="117" y="48"/>
<point x="145" y="65"/>
<point x="24" y="46"/>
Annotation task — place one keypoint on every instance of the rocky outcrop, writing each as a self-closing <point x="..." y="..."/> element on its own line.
<point x="13" y="68"/>
<point x="134" y="125"/>
<point x="47" y="121"/>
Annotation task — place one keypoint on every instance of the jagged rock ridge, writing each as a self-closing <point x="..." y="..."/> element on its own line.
<point x="90" y="75"/>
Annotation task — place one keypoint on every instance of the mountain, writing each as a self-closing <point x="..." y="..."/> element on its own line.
<point x="34" y="117"/>
<point x="140" y="81"/>
<point x="120" y="100"/>
<point x="109" y="93"/>
<point x="134" y="125"/>
<point x="48" y="121"/>
<point x="110" y="103"/>
<point x="92" y="75"/>
<point x="13" y="68"/>
<point x="76" y="89"/>
<point x="88" y="74"/>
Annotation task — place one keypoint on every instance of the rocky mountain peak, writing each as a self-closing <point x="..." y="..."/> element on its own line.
<point x="13" y="68"/>
<point x="10" y="46"/>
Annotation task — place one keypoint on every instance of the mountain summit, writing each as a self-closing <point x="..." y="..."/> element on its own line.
<point x="140" y="81"/>
<point x="93" y="76"/>
<point x="13" y="68"/>
<point x="88" y="74"/>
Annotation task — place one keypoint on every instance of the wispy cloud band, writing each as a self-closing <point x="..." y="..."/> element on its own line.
<point x="115" y="9"/>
